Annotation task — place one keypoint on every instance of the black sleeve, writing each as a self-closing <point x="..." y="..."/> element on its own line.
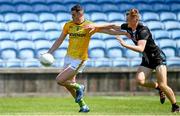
<point x="144" y="34"/>
<point x="124" y="26"/>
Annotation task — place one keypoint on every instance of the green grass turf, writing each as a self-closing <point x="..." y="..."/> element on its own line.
<point x="104" y="105"/>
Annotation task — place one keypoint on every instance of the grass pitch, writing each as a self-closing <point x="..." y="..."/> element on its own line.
<point x="103" y="105"/>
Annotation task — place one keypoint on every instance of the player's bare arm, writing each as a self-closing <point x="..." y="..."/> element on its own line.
<point x="57" y="43"/>
<point x="139" y="48"/>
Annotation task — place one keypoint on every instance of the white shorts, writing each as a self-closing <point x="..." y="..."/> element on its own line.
<point x="75" y="64"/>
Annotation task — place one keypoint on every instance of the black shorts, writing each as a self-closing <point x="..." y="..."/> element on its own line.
<point x="159" y="58"/>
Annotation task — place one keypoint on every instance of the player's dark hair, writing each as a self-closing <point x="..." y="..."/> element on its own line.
<point x="77" y="8"/>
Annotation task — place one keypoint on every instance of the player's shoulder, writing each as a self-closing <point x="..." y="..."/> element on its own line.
<point x="88" y="22"/>
<point x="70" y="22"/>
<point x="124" y="26"/>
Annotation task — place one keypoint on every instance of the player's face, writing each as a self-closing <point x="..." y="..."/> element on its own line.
<point x="131" y="20"/>
<point x="77" y="15"/>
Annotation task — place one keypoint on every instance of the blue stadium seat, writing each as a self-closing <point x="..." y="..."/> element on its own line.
<point x="60" y="17"/>
<point x="120" y="62"/>
<point x="24" y="8"/>
<point x="10" y="63"/>
<point x="98" y="17"/>
<point x="113" y="43"/>
<point x="168" y="46"/>
<point x="97" y="53"/>
<point x="89" y="8"/>
<point x="52" y="35"/>
<point x="90" y="63"/>
<point x="71" y="2"/>
<point x="175" y="34"/>
<point x="6" y="1"/>
<point x="150" y="16"/>
<point x="26" y="53"/>
<point x="144" y="7"/>
<point x="64" y="45"/>
<point x="87" y="16"/>
<point x="2" y="63"/>
<point x="124" y="7"/>
<point x="103" y="62"/>
<point x="56" y="8"/>
<point x="40" y="52"/>
<point x="21" y="2"/>
<point x="156" y="1"/>
<point x="115" y="53"/>
<point x="3" y="26"/>
<point x="161" y="7"/>
<point x="178" y="16"/>
<point x="37" y="8"/>
<point x="12" y="17"/>
<point x="5" y="8"/>
<point x="88" y="2"/>
<point x="114" y="49"/>
<point x="139" y="1"/>
<point x="8" y="54"/>
<point x="168" y="16"/>
<point x="37" y="2"/>
<point x="58" y="63"/>
<point x="116" y="17"/>
<point x="30" y="17"/>
<point x="172" y="1"/>
<point x="51" y="26"/>
<point x="47" y="17"/>
<point x="167" y="43"/>
<point x="8" y="44"/>
<point x="131" y="54"/>
<point x="21" y="35"/>
<point x="155" y="25"/>
<point x="97" y="36"/>
<point x="178" y="47"/>
<point x="109" y="8"/>
<point x="42" y="44"/>
<point x="16" y="26"/>
<point x="25" y="44"/>
<point x="122" y="1"/>
<point x="108" y="37"/>
<point x="60" y="53"/>
<point x="96" y="44"/>
<point x="169" y="52"/>
<point x="38" y="35"/>
<point x="135" y="62"/>
<point x="173" y="62"/>
<point x="1" y="18"/>
<point x="161" y="34"/>
<point x="5" y="35"/>
<point x="33" y="26"/>
<point x="172" y="25"/>
<point x="54" y="2"/>
<point x="175" y="7"/>
<point x="104" y="1"/>
<point x="31" y="63"/>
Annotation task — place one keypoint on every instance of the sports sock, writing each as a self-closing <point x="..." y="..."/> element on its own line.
<point x="174" y="105"/>
<point x="81" y="103"/>
<point x="75" y="85"/>
<point x="157" y="88"/>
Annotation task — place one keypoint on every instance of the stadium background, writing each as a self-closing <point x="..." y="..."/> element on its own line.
<point x="29" y="28"/>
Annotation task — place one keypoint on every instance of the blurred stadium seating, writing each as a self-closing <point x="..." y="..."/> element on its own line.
<point x="29" y="28"/>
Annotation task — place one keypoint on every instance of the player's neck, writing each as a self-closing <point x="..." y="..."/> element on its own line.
<point x="133" y="26"/>
<point x="79" y="21"/>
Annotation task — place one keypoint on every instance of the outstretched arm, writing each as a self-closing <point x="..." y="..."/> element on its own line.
<point x="138" y="48"/>
<point x="57" y="43"/>
<point x="111" y="29"/>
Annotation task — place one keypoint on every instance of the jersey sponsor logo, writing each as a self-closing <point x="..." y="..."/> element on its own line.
<point x="77" y="35"/>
